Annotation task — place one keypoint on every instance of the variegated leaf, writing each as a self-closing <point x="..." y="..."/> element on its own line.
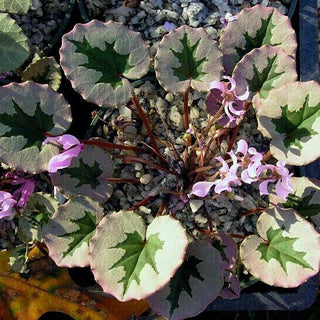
<point x="14" y="49"/>
<point x="290" y="116"/>
<point x="43" y="70"/>
<point x="70" y="230"/>
<point x="227" y="248"/>
<point x="15" y="6"/>
<point x="27" y="112"/>
<point x="86" y="175"/>
<point x="231" y="285"/>
<point x="253" y="28"/>
<point x="286" y="251"/>
<point x="305" y="198"/>
<point x="40" y="208"/>
<point x="187" y="57"/>
<point x="196" y="283"/>
<point x="99" y="58"/>
<point x="132" y="261"/>
<point x="263" y="69"/>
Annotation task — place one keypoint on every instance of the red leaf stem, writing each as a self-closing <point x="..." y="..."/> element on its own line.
<point x="141" y="203"/>
<point x="109" y="145"/>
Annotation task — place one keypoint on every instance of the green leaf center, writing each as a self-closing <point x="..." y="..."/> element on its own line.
<point x="190" y="67"/>
<point x="281" y="249"/>
<point x="109" y="62"/>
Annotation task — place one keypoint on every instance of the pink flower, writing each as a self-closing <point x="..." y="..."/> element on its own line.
<point x="228" y="178"/>
<point x="222" y="94"/>
<point x="27" y="186"/>
<point x="201" y="188"/>
<point x="251" y="164"/>
<point x="280" y="174"/>
<point x="228" y="175"/>
<point x="25" y="190"/>
<point x="7" y="202"/>
<point x="72" y="147"/>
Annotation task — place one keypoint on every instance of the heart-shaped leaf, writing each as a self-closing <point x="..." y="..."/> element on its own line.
<point x="305" y="198"/>
<point x="286" y="252"/>
<point x="196" y="283"/>
<point x="227" y="248"/>
<point x="14" y="49"/>
<point x="40" y="207"/>
<point x="253" y="28"/>
<point x="86" y="175"/>
<point x="70" y="230"/>
<point x="43" y="70"/>
<point x="99" y="58"/>
<point x="263" y="69"/>
<point x="131" y="261"/>
<point x="187" y="57"/>
<point x="231" y="286"/>
<point x="15" y="6"/>
<point x="290" y="116"/>
<point x="27" y="112"/>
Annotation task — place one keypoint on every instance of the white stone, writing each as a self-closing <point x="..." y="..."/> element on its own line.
<point x="194" y="113"/>
<point x="195" y="205"/>
<point x="175" y="116"/>
<point x="138" y="166"/>
<point x="169" y="97"/>
<point x="146" y="178"/>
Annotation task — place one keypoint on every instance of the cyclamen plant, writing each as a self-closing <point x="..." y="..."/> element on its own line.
<point x="126" y="251"/>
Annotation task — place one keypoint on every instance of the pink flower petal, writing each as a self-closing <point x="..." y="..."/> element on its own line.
<point x="252" y="169"/>
<point x="222" y="185"/>
<point x="239" y="112"/>
<point x="263" y="187"/>
<point x="202" y="188"/>
<point x="25" y="190"/>
<point x="242" y="147"/>
<point x="6" y="204"/>
<point x="286" y="182"/>
<point x="225" y="167"/>
<point x="227" y="112"/>
<point x="245" y="177"/>
<point x="281" y="169"/>
<point x="66" y="140"/>
<point x="217" y="85"/>
<point x="72" y="146"/>
<point x="244" y="96"/>
<point x="232" y="83"/>
<point x="281" y="190"/>
<point x="63" y="160"/>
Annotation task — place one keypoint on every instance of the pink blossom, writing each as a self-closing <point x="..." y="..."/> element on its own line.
<point x="72" y="147"/>
<point x="280" y="174"/>
<point x="7" y="202"/>
<point x="228" y="178"/>
<point x="25" y="190"/>
<point x="228" y="175"/>
<point x="201" y="188"/>
<point x="27" y="186"/>
<point x="251" y="164"/>
<point x="223" y="94"/>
